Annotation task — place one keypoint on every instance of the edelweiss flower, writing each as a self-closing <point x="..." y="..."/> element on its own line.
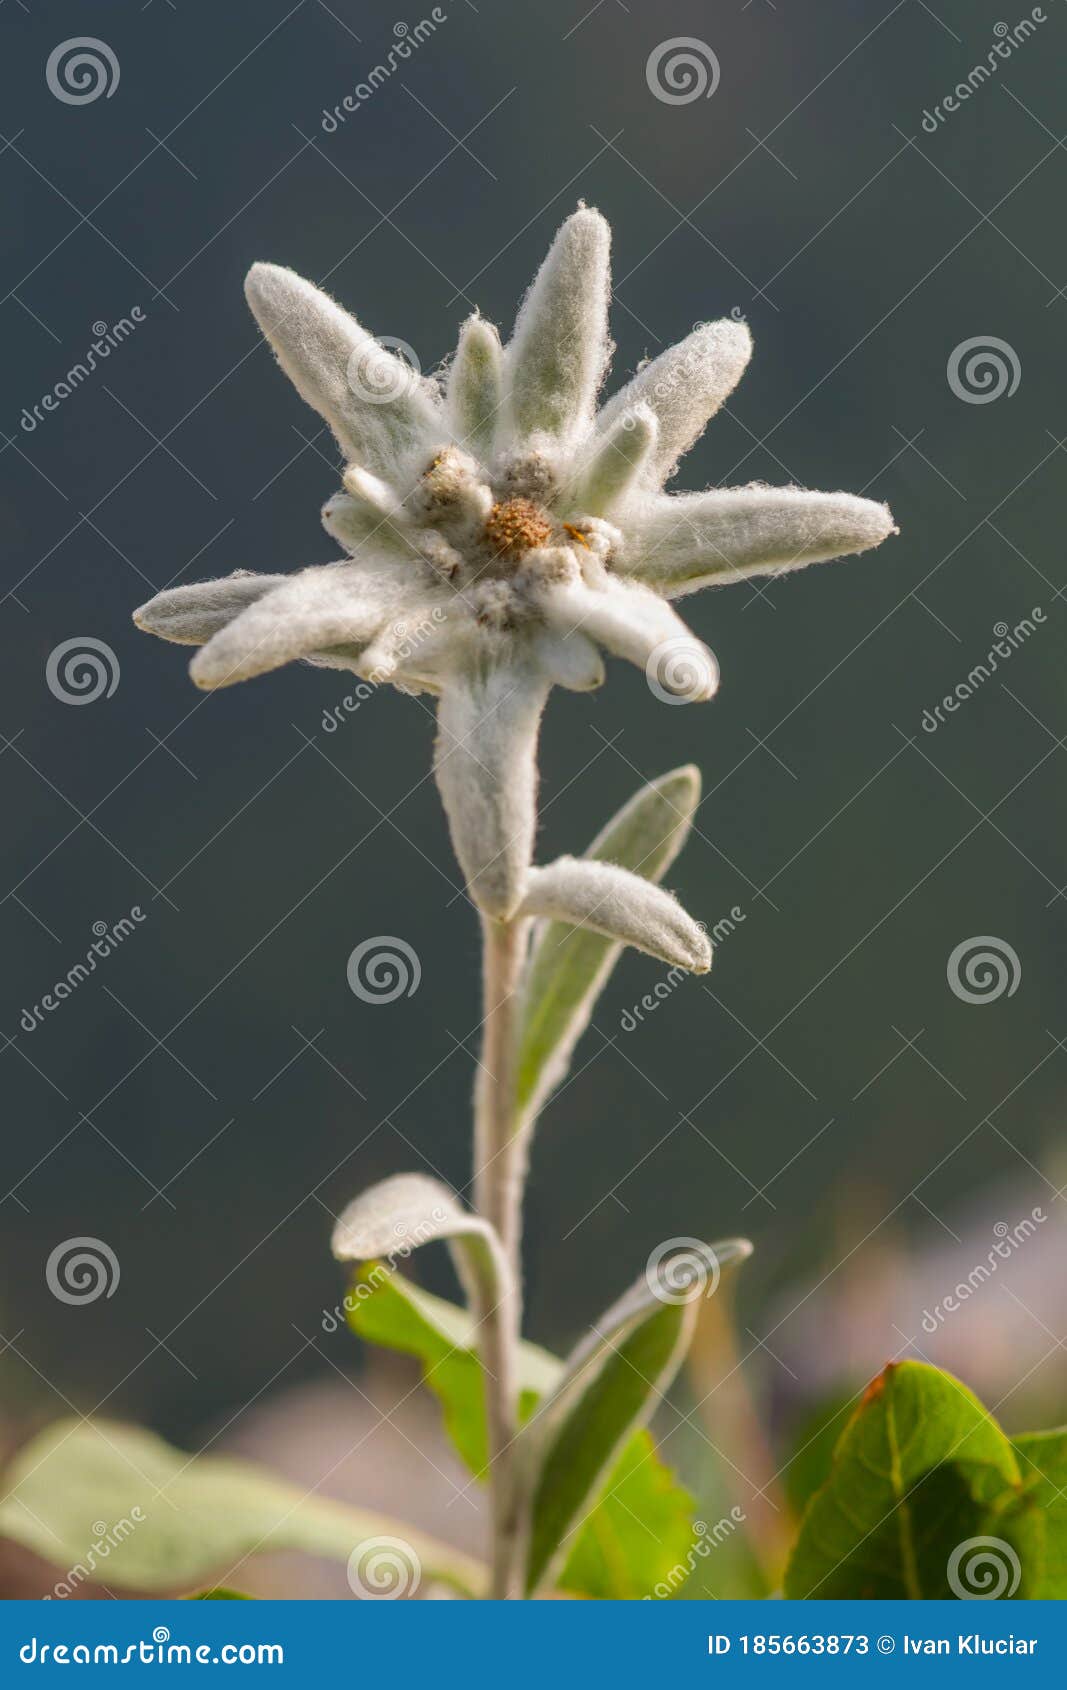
<point x="499" y="529"/>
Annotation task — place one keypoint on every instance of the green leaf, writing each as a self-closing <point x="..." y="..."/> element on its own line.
<point x="118" y="1503"/>
<point x="605" y="1556"/>
<point x="919" y="1474"/>
<point x="386" y="1308"/>
<point x="1043" y="1460"/>
<point x="587" y="1438"/>
<point x="639" y="1538"/>
<point x="569" y="966"/>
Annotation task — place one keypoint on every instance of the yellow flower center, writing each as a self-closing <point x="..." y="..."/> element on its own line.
<point x="516" y="526"/>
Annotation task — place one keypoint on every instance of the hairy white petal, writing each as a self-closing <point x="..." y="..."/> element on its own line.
<point x="620" y="905"/>
<point x="378" y="407"/>
<point x="635" y="623"/>
<point x="486" y="768"/>
<point x="341" y="604"/>
<point x="558" y="353"/>
<point x="572" y="661"/>
<point x="192" y="614"/>
<point x="686" y="541"/>
<point x="356" y="525"/>
<point x="685" y="386"/>
<point x="618" y="459"/>
<point x="475" y="385"/>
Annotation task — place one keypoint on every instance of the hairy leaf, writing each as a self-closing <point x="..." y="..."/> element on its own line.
<point x="117" y="1503"/>
<point x="569" y="966"/>
<point x="1043" y="1460"/>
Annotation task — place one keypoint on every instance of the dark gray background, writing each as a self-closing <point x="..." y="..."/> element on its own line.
<point x="215" y="1093"/>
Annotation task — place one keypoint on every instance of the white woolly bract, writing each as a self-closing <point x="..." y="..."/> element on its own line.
<point x="686" y="541"/>
<point x="191" y="615"/>
<point x="620" y="905"/>
<point x="486" y="767"/>
<point x="377" y="406"/>
<point x="559" y="351"/>
<point x="685" y="386"/>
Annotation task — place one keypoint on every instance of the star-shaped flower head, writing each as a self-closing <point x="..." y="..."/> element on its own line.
<point x="499" y="530"/>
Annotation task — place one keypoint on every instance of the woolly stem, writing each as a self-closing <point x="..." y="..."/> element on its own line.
<point x="498" y="1181"/>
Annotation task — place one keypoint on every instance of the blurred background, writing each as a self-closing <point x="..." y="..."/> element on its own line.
<point x="875" y="1118"/>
